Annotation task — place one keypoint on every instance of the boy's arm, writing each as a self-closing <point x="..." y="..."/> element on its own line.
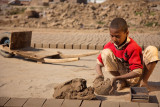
<point x="125" y="76"/>
<point x="99" y="70"/>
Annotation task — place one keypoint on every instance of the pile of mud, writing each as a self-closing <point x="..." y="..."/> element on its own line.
<point x="102" y="87"/>
<point x="137" y="13"/>
<point x="74" y="89"/>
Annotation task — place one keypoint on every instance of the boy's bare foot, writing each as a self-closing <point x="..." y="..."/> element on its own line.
<point x="144" y="84"/>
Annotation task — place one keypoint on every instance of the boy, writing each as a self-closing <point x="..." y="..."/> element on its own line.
<point x="123" y="58"/>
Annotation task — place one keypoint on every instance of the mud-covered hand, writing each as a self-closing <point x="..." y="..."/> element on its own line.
<point x="113" y="84"/>
<point x="99" y="78"/>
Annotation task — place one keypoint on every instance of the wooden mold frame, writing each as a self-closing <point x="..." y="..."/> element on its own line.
<point x="139" y="94"/>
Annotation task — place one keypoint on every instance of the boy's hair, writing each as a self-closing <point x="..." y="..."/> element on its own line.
<point x="119" y="23"/>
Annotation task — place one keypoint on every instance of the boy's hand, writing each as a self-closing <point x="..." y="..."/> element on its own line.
<point x="99" y="78"/>
<point x="113" y="84"/>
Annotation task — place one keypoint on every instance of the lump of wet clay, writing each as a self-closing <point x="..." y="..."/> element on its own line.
<point x="74" y="89"/>
<point x="102" y="87"/>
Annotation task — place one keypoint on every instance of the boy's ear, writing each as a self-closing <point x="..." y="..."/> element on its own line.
<point x="127" y="33"/>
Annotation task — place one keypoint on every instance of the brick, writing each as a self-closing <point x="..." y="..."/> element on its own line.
<point x="33" y="45"/>
<point x="3" y="101"/>
<point x="148" y="105"/>
<point x="53" y="45"/>
<point x="92" y="46"/>
<point x="84" y="46"/>
<point x="109" y="104"/>
<point x="88" y="103"/>
<point x="76" y="46"/>
<point x="68" y="46"/>
<point x="18" y="102"/>
<point x="45" y="45"/>
<point x="99" y="47"/>
<point x="61" y="46"/>
<point x="34" y="102"/>
<point x="55" y="102"/>
<point x="71" y="103"/>
<point x="38" y="45"/>
<point x="129" y="104"/>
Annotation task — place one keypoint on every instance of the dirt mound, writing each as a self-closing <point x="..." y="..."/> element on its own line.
<point x="92" y="16"/>
<point x="74" y="89"/>
<point x="102" y="87"/>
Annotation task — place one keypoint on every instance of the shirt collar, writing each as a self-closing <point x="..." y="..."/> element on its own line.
<point x="126" y="42"/>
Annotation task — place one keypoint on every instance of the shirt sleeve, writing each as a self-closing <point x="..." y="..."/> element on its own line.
<point x="99" y="60"/>
<point x="138" y="71"/>
<point x="135" y="60"/>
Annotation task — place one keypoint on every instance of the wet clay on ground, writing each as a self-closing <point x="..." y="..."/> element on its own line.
<point x="74" y="89"/>
<point x="102" y="87"/>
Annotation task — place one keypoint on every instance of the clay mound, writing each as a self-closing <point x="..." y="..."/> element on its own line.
<point x="102" y="87"/>
<point x="74" y="89"/>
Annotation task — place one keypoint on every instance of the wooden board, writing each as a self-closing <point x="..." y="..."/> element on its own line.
<point x="71" y="103"/>
<point x="129" y="104"/>
<point x="109" y="104"/>
<point x="35" y="54"/>
<point x="148" y="105"/>
<point x="53" y="103"/>
<point x="34" y="102"/>
<point x="3" y="101"/>
<point x="88" y="103"/>
<point x="19" y="40"/>
<point x="16" y="102"/>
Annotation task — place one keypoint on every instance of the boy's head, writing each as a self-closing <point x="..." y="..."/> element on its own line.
<point x="118" y="31"/>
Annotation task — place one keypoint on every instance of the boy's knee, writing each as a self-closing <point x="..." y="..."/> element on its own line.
<point x="150" y="54"/>
<point x="107" y="53"/>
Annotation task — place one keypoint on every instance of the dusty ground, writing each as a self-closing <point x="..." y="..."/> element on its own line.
<point x="24" y="78"/>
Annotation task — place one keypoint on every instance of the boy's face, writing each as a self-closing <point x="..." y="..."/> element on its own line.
<point x="118" y="36"/>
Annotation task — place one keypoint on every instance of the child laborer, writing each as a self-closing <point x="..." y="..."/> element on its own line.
<point x="123" y="58"/>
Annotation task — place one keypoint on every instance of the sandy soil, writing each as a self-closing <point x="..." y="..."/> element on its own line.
<point x="24" y="78"/>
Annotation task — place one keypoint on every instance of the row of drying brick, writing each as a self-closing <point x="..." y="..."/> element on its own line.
<point x="68" y="46"/>
<point x="94" y="41"/>
<point x="77" y="46"/>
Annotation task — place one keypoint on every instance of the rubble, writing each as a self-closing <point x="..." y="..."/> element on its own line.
<point x="89" y="16"/>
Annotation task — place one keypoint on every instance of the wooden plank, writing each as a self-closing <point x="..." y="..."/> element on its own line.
<point x="34" y="102"/>
<point x="16" y="102"/>
<point x="129" y="104"/>
<point x="20" y="40"/>
<point x="148" y="105"/>
<point x="88" y="103"/>
<point x="109" y="104"/>
<point x="3" y="101"/>
<point x="35" y="54"/>
<point x="71" y="103"/>
<point x="53" y="102"/>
